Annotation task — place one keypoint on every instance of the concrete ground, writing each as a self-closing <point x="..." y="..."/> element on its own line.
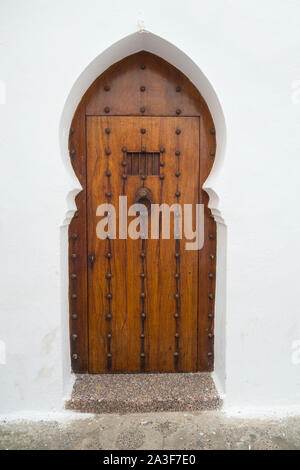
<point x="157" y="431"/>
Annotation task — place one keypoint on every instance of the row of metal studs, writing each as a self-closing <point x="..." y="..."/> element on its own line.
<point x="143" y="297"/>
<point x="107" y="110"/>
<point x="74" y="237"/>
<point x="177" y="261"/>
<point x="109" y="299"/>
<point x="73" y="276"/>
<point x="108" y="256"/>
<point x="124" y="165"/>
<point x="143" y="275"/>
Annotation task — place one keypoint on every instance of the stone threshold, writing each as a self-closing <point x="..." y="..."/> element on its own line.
<point x="143" y="393"/>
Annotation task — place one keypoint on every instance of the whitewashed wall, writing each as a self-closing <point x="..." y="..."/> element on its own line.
<point x="249" y="53"/>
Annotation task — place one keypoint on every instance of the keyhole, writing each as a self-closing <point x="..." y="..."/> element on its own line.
<point x="146" y="202"/>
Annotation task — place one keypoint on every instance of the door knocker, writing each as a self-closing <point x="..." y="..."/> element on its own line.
<point x="144" y="196"/>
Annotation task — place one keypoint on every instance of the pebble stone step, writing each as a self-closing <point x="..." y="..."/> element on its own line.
<point x="139" y="393"/>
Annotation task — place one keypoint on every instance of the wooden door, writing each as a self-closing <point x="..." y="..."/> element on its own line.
<point x="142" y="294"/>
<point x="141" y="305"/>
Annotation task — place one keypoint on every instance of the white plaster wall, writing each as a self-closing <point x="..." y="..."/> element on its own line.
<point x="249" y="51"/>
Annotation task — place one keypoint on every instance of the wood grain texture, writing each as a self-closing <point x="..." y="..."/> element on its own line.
<point x="125" y="326"/>
<point x="167" y="92"/>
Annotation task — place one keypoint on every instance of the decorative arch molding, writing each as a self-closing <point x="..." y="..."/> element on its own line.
<point x="151" y="43"/>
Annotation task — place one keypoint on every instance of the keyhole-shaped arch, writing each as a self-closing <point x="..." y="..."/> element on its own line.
<point x="215" y="127"/>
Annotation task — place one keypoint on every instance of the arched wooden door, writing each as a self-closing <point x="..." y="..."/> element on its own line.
<point x="141" y="305"/>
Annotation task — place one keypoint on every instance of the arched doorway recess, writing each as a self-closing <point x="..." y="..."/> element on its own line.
<point x="141" y="305"/>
